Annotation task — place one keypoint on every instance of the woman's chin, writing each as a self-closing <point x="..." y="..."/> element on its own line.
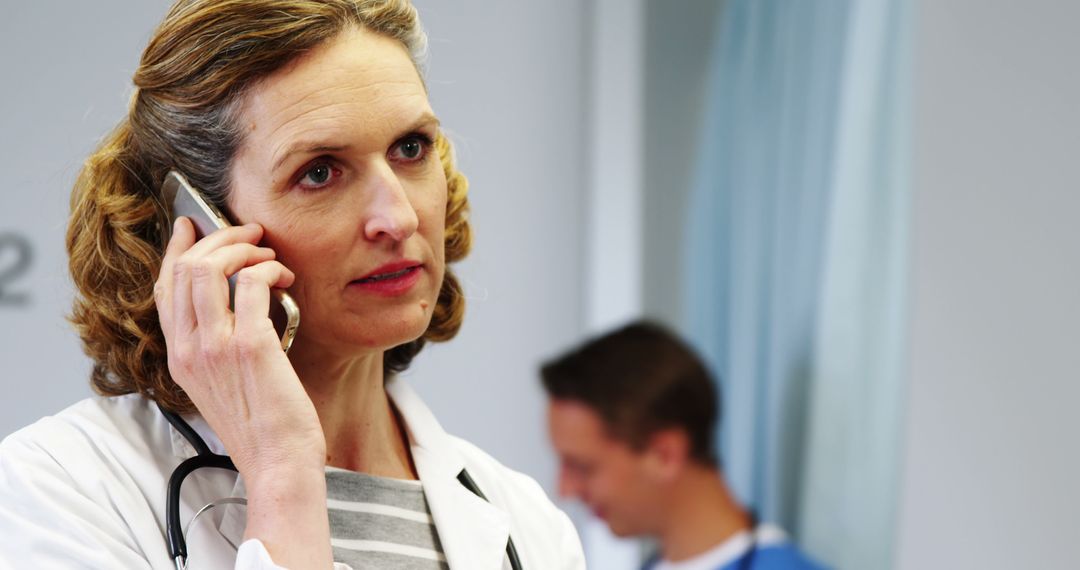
<point x="363" y="336"/>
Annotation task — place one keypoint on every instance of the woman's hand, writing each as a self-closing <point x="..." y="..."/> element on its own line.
<point x="231" y="365"/>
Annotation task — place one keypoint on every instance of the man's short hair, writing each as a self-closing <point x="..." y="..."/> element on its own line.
<point x="641" y="379"/>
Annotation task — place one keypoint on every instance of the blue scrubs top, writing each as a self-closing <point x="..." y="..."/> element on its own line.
<point x="781" y="556"/>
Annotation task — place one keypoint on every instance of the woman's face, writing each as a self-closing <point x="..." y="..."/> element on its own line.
<point x="338" y="166"/>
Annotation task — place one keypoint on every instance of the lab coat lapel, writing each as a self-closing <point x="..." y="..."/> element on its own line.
<point x="473" y="532"/>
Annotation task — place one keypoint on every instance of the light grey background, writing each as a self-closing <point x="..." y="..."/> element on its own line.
<point x="992" y="456"/>
<point x="66" y="69"/>
<point x="678" y="46"/>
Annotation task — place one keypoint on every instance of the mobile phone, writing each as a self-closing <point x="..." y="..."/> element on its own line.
<point x="185" y="200"/>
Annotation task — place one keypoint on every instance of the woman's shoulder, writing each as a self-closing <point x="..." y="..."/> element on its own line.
<point x="483" y="467"/>
<point x="514" y="492"/>
<point x="86" y="434"/>
<point x="529" y="506"/>
<point x="86" y="483"/>
<point x="92" y="416"/>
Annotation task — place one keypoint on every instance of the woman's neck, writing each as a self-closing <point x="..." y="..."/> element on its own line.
<point x="363" y="430"/>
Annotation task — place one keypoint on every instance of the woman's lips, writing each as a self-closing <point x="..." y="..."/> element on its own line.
<point x="389" y="268"/>
<point x="389" y="283"/>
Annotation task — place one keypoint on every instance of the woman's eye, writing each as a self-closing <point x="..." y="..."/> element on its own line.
<point x="318" y="176"/>
<point x="411" y="149"/>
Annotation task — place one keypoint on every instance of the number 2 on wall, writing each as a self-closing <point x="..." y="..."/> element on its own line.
<point x="15" y="255"/>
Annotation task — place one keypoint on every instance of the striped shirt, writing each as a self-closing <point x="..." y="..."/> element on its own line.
<point x="381" y="523"/>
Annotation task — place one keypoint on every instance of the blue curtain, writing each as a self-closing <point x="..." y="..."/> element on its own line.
<point x="795" y="264"/>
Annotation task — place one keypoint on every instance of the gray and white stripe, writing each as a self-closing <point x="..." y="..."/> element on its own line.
<point x="376" y="522"/>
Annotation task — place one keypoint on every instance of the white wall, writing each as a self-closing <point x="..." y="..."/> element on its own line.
<point x="992" y="458"/>
<point x="506" y="79"/>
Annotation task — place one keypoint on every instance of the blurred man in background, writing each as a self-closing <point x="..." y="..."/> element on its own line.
<point x="632" y="416"/>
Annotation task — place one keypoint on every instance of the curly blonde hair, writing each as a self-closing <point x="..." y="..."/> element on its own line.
<point x="189" y="85"/>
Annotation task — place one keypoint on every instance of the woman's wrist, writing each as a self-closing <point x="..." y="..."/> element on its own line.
<point x="284" y="474"/>
<point x="286" y="511"/>
<point x="290" y="455"/>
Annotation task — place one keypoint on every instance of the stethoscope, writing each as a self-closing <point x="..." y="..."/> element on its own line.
<point x="206" y="458"/>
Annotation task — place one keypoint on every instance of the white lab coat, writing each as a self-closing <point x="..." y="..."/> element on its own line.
<point x="86" y="489"/>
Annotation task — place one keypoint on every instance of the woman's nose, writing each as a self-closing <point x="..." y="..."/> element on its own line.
<point x="390" y="214"/>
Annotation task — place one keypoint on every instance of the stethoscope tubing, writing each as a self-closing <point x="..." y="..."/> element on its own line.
<point x="206" y="458"/>
<point x="203" y="458"/>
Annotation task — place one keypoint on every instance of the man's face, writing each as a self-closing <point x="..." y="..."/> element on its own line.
<point x="617" y="483"/>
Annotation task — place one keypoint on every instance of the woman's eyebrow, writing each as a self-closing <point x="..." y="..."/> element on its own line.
<point x="424" y="120"/>
<point x="313" y="147"/>
<point x="307" y="147"/>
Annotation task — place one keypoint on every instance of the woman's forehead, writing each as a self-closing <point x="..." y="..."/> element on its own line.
<point x="358" y="86"/>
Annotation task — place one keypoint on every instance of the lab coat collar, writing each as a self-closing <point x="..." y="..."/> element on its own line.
<point x="182" y="448"/>
<point x="473" y="532"/>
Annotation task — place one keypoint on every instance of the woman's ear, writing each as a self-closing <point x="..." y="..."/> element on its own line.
<point x="668" y="452"/>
